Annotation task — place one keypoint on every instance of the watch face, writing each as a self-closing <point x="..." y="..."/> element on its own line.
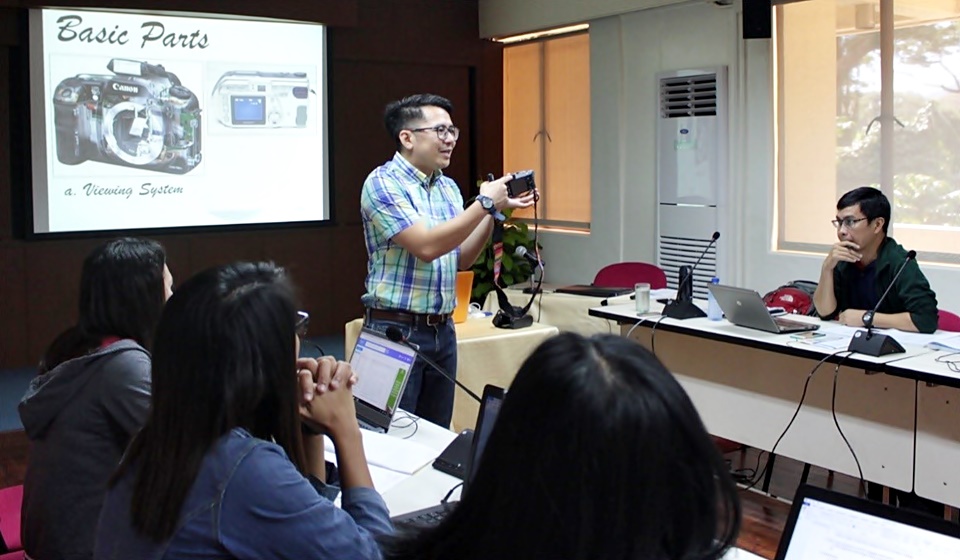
<point x="486" y="202"/>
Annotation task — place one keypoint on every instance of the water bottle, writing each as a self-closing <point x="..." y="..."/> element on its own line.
<point x="714" y="313"/>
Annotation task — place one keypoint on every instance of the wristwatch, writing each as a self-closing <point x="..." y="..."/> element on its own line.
<point x="487" y="204"/>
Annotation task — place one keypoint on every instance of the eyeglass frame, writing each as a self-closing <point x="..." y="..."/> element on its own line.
<point x="302" y="324"/>
<point x="847" y="222"/>
<point x="452" y="130"/>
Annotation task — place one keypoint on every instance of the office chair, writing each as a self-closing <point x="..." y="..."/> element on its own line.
<point x="626" y="274"/>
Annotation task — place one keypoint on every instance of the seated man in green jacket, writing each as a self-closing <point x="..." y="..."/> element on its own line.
<point x="862" y="264"/>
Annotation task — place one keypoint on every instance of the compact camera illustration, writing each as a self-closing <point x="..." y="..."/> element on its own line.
<point x="247" y="99"/>
<point x="141" y="116"/>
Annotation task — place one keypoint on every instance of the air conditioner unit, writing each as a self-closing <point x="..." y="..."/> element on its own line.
<point x="691" y="172"/>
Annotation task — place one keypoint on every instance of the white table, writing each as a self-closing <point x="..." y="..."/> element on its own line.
<point x="746" y="385"/>
<point x="567" y="312"/>
<point x="937" y="474"/>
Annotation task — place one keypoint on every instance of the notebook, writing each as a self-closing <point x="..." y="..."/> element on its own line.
<point x="745" y="308"/>
<point x="593" y="291"/>
<point x="382" y="367"/>
<point x="825" y="525"/>
<point x="490" y="405"/>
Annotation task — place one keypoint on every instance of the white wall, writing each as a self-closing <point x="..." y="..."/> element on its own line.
<point x="627" y="52"/>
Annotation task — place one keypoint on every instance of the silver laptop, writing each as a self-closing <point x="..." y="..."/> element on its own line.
<point x="383" y="368"/>
<point x="745" y="308"/>
<point x="824" y="524"/>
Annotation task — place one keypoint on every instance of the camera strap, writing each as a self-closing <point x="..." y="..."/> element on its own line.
<point x="502" y="299"/>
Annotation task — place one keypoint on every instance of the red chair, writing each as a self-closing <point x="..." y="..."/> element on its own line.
<point x="948" y="321"/>
<point x="626" y="274"/>
<point x="10" y="501"/>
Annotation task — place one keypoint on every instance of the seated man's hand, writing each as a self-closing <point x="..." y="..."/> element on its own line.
<point x="851" y="317"/>
<point x="846" y="251"/>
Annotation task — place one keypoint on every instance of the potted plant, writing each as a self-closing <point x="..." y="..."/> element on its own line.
<point x="513" y="270"/>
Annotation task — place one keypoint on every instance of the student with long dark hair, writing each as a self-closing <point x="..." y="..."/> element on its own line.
<point x="222" y="468"/>
<point x="597" y="454"/>
<point x="91" y="396"/>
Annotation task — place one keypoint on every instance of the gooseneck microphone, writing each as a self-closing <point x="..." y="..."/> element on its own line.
<point x="396" y="335"/>
<point x="876" y="344"/>
<point x="522" y="251"/>
<point x="682" y="307"/>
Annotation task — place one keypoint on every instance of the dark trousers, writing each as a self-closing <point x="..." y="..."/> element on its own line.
<point x="429" y="395"/>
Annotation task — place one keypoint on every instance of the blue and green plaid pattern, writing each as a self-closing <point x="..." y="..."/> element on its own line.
<point x="395" y="196"/>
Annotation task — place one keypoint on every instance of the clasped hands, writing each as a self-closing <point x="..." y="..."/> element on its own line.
<point x="326" y="394"/>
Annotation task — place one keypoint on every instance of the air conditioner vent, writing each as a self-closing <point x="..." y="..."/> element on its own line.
<point x="688" y="96"/>
<point x="679" y="251"/>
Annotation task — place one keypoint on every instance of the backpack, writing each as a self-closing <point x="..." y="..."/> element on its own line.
<point x="795" y="297"/>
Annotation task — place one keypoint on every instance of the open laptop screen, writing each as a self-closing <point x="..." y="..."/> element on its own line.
<point x="382" y="367"/>
<point x="490" y="406"/>
<point x="825" y="525"/>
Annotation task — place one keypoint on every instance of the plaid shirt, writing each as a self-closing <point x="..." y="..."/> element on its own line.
<point x="395" y="196"/>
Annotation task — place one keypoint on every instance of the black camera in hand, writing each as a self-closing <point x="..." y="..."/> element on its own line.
<point x="141" y="116"/>
<point x="521" y="183"/>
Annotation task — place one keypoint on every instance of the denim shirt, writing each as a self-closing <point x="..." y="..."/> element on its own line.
<point x="249" y="501"/>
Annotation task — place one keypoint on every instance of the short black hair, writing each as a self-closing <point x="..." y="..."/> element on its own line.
<point x="597" y="453"/>
<point x="873" y="204"/>
<point x="399" y="114"/>
<point x="121" y="294"/>
<point x="223" y="358"/>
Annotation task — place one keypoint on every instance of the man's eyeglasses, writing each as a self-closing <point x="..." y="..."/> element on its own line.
<point x="303" y="322"/>
<point x="443" y="131"/>
<point x="847" y="222"/>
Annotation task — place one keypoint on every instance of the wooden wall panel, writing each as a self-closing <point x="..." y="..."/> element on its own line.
<point x="379" y="50"/>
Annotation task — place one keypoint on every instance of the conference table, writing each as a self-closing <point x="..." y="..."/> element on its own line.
<point x="746" y="385"/>
<point x="485" y="354"/>
<point x="567" y="312"/>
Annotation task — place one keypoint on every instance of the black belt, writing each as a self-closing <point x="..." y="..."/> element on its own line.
<point x="415" y="319"/>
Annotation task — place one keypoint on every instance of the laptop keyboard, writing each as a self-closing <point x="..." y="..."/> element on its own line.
<point x="424" y="518"/>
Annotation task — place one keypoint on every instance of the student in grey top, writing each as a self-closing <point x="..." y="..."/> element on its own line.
<point x="90" y="397"/>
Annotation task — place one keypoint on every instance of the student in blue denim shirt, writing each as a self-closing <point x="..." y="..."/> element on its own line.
<point x="230" y="461"/>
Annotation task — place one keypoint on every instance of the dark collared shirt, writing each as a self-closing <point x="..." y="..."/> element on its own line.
<point x="911" y="293"/>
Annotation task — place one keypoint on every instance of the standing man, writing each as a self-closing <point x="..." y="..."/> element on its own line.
<point x="418" y="235"/>
<point x="862" y="264"/>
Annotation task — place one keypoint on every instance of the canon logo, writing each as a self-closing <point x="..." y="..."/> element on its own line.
<point x="125" y="88"/>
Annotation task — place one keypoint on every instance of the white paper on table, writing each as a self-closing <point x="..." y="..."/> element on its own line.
<point x="950" y="342"/>
<point x="740" y="554"/>
<point x="395" y="454"/>
<point x="383" y="479"/>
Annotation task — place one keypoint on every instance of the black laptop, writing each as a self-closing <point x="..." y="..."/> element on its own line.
<point x="824" y="525"/>
<point x="489" y="410"/>
<point x="593" y="291"/>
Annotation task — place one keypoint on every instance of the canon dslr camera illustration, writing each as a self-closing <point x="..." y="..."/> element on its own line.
<point x="141" y="116"/>
<point x="247" y="99"/>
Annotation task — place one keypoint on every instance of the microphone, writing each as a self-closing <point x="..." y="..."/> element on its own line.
<point x="396" y="335"/>
<point x="682" y="307"/>
<point x="876" y="344"/>
<point x="522" y="251"/>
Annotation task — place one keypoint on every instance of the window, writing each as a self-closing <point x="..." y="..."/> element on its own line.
<point x="546" y="124"/>
<point x="869" y="94"/>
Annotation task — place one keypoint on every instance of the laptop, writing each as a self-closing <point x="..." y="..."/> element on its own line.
<point x="593" y="291"/>
<point x="745" y="308"/>
<point x="383" y="367"/>
<point x="490" y="405"/>
<point x="825" y="524"/>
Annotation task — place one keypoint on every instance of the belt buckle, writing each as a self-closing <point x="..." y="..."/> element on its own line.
<point x="434" y="319"/>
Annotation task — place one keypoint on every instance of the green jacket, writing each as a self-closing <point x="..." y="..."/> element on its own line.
<point x="912" y="292"/>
